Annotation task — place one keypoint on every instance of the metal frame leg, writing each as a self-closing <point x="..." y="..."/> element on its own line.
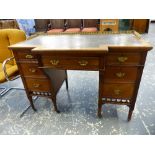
<point x="4" y="89"/>
<point x="7" y="90"/>
<point x="17" y="88"/>
<point x="22" y="114"/>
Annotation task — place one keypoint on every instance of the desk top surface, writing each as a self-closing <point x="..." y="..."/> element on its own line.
<point x="97" y="41"/>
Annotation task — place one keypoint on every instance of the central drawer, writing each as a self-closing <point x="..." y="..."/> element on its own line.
<point x="120" y="74"/>
<point x="122" y="91"/>
<point x="91" y="63"/>
<point x="40" y="85"/>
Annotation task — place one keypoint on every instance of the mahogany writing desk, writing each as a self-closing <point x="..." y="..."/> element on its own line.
<point x="119" y="58"/>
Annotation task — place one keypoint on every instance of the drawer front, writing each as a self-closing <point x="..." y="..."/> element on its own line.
<point x="25" y="55"/>
<point x="29" y="69"/>
<point x="71" y="63"/>
<point x="123" y="59"/>
<point x="122" y="91"/>
<point x="40" y="85"/>
<point x="120" y="74"/>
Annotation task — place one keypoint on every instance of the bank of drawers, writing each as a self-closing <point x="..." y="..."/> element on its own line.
<point x="34" y="78"/>
<point x="121" y="72"/>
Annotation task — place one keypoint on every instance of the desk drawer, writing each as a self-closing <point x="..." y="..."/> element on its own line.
<point x="123" y="59"/>
<point x="40" y="85"/>
<point x="25" y="55"/>
<point x="120" y="74"/>
<point x="29" y="69"/>
<point x="71" y="63"/>
<point x="124" y="91"/>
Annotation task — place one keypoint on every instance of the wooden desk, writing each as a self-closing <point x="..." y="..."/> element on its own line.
<point x="119" y="58"/>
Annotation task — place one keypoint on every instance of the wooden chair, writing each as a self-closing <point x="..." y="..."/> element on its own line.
<point x="73" y="25"/>
<point x="56" y="26"/>
<point x="90" y="25"/>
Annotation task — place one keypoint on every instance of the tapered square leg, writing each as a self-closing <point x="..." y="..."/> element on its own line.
<point x="31" y="102"/>
<point x="55" y="104"/>
<point x="99" y="110"/>
<point x="130" y="113"/>
<point x="66" y="80"/>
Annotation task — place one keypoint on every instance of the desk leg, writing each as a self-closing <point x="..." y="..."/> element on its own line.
<point x="66" y="80"/>
<point x="131" y="108"/>
<point x="55" y="104"/>
<point x="100" y="93"/>
<point x="31" y="102"/>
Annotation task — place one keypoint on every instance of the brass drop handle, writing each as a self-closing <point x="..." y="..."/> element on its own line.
<point x="54" y="62"/>
<point x="120" y="74"/>
<point x="29" y="56"/>
<point x="122" y="59"/>
<point x="33" y="70"/>
<point x="83" y="62"/>
<point x="36" y="85"/>
<point x="117" y="91"/>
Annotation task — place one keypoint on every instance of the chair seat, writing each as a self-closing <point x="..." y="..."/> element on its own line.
<point x="11" y="69"/>
<point x="73" y="30"/>
<point x="55" y="31"/>
<point x="89" y="29"/>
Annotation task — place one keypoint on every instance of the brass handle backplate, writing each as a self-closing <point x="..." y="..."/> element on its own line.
<point x="122" y="59"/>
<point x="120" y="74"/>
<point x="29" y="56"/>
<point x="117" y="91"/>
<point x="36" y="85"/>
<point x="54" y="62"/>
<point x="33" y="70"/>
<point x="83" y="62"/>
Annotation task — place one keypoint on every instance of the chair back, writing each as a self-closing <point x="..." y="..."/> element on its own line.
<point x="41" y="25"/>
<point x="9" y="24"/>
<point x="90" y="23"/>
<point x="57" y="23"/>
<point x="74" y="23"/>
<point x="9" y="37"/>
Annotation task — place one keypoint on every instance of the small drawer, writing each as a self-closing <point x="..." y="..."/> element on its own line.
<point x="122" y="91"/>
<point x="120" y="74"/>
<point x="25" y="55"/>
<point x="123" y="59"/>
<point x="40" y="85"/>
<point x="29" y="69"/>
<point x="71" y="63"/>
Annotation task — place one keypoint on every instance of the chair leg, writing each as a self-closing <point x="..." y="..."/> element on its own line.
<point x="7" y="90"/>
<point x="3" y="90"/>
<point x="27" y="108"/>
<point x="17" y="88"/>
